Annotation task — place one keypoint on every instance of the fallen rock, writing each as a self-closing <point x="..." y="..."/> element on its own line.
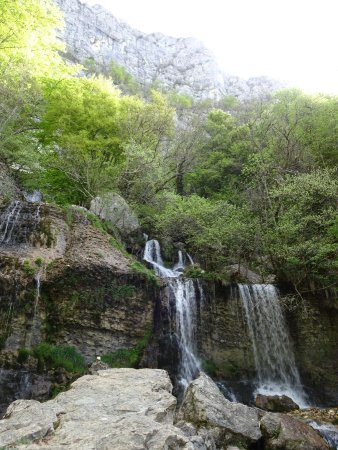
<point x="114" y="208"/>
<point x="226" y="423"/>
<point x="283" y="432"/>
<point x="275" y="403"/>
<point x="96" y="366"/>
<point x="120" y="409"/>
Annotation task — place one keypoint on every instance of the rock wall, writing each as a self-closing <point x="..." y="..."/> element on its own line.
<point x="313" y="327"/>
<point x="183" y="65"/>
<point x="89" y="296"/>
<point x="64" y="282"/>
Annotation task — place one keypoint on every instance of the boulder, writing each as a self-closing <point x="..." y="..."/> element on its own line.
<point x="120" y="409"/>
<point x="283" y="432"/>
<point x="226" y="423"/>
<point x="275" y="403"/>
<point x="114" y="208"/>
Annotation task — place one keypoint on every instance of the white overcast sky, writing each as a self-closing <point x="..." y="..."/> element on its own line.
<point x="291" y="40"/>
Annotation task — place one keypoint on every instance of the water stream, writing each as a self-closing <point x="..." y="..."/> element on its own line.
<point x="18" y="222"/>
<point x="277" y="373"/>
<point x="9" y="219"/>
<point x="184" y="293"/>
<point x="35" y="331"/>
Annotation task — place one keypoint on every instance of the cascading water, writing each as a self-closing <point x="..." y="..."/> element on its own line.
<point x="34" y="335"/>
<point x="274" y="359"/>
<point x="328" y="431"/>
<point x="18" y="223"/>
<point x="184" y="292"/>
<point x="8" y="220"/>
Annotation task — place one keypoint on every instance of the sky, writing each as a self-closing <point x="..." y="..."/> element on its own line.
<point x="294" y="41"/>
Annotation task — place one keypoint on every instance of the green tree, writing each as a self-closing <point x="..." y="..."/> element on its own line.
<point x="79" y="134"/>
<point x="28" y="52"/>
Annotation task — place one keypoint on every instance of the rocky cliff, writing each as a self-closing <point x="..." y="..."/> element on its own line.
<point x="65" y="284"/>
<point x="183" y="65"/>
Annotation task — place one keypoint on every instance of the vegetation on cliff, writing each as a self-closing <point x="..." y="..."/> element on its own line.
<point x="251" y="183"/>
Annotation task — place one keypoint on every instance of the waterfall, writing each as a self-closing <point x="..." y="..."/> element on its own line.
<point x="277" y="372"/>
<point x="8" y="221"/>
<point x="18" y="223"/>
<point x="35" y="331"/>
<point x="184" y="293"/>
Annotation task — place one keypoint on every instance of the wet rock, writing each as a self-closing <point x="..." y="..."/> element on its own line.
<point x="275" y="403"/>
<point x="121" y="409"/>
<point x="328" y="432"/>
<point x="283" y="432"/>
<point x="224" y="422"/>
<point x="114" y="208"/>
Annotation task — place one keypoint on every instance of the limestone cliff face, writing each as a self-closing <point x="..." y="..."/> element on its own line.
<point x="67" y="284"/>
<point x="180" y="64"/>
<point x="64" y="283"/>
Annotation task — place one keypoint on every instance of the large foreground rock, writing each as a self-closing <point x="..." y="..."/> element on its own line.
<point x="120" y="409"/>
<point x="210" y="413"/>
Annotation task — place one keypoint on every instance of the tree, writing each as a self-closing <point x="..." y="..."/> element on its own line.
<point x="79" y="133"/>
<point x="146" y="129"/>
<point x="28" y="52"/>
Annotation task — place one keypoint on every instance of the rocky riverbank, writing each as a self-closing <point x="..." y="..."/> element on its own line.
<point x="128" y="409"/>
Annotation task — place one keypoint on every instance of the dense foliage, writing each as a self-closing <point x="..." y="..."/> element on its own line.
<point x="250" y="183"/>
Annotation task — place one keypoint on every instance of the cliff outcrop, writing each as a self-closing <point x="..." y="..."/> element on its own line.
<point x="93" y="35"/>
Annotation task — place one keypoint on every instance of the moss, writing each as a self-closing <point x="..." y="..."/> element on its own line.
<point x="140" y="268"/>
<point x="28" y="269"/>
<point x="23" y="355"/>
<point x="210" y="368"/>
<point x="45" y="229"/>
<point x="127" y="357"/>
<point x="39" y="261"/>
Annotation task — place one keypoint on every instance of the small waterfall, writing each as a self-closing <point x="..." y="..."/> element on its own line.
<point x="274" y="359"/>
<point x="18" y="223"/>
<point x="8" y="221"/>
<point x="35" y="331"/>
<point x="33" y="197"/>
<point x="184" y="293"/>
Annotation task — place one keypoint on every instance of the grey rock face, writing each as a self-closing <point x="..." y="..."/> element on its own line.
<point x="114" y="208"/>
<point x="120" y="409"/>
<point x="225" y="422"/>
<point x="180" y="64"/>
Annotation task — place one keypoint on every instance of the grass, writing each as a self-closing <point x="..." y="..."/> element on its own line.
<point x="140" y="268"/>
<point x="51" y="357"/>
<point x="127" y="357"/>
